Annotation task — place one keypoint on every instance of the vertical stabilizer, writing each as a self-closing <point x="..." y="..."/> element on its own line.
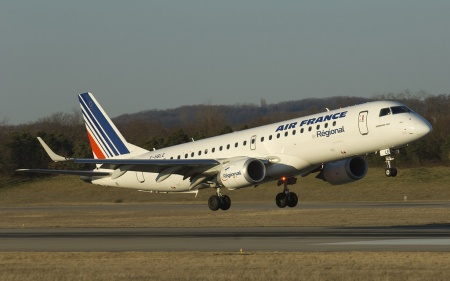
<point x="106" y="140"/>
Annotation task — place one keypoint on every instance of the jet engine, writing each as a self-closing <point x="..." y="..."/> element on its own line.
<point x="241" y="173"/>
<point x="344" y="171"/>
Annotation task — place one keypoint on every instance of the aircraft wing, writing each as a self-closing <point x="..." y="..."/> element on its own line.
<point x="117" y="167"/>
<point x="150" y="162"/>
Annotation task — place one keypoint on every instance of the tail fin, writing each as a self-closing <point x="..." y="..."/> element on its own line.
<point x="106" y="140"/>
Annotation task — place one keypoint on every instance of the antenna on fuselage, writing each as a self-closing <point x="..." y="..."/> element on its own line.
<point x="327" y="109"/>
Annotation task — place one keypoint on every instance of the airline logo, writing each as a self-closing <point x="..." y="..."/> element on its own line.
<point x="329" y="132"/>
<point x="231" y="175"/>
<point x="104" y="138"/>
<point x="312" y="121"/>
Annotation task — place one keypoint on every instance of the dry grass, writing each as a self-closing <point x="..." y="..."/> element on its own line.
<point x="225" y="266"/>
<point x="231" y="218"/>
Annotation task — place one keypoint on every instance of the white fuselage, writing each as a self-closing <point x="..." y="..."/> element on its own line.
<point x="294" y="146"/>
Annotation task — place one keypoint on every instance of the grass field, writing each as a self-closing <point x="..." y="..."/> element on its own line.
<point x="225" y="266"/>
<point x="424" y="184"/>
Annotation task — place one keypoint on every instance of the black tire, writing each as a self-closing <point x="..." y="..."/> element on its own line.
<point x="226" y="203"/>
<point x="281" y="200"/>
<point x="393" y="172"/>
<point x="292" y="199"/>
<point x="214" y="203"/>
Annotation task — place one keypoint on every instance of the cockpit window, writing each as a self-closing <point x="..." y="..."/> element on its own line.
<point x="394" y="110"/>
<point x="385" y="111"/>
<point x="400" y="109"/>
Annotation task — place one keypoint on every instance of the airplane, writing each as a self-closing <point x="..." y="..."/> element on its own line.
<point x="331" y="143"/>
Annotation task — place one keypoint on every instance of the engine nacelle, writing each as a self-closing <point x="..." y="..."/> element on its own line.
<point x="344" y="171"/>
<point x="241" y="173"/>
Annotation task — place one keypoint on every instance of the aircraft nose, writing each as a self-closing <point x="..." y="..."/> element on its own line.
<point x="422" y="127"/>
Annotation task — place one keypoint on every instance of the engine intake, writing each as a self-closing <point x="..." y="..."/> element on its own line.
<point x="241" y="173"/>
<point x="344" y="171"/>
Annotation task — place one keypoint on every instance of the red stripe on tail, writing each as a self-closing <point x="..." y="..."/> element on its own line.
<point x="95" y="148"/>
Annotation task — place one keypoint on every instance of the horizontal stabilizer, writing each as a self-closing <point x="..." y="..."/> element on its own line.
<point x="66" y="172"/>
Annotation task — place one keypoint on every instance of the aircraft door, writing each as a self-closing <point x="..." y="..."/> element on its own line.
<point x="362" y="122"/>
<point x="253" y="143"/>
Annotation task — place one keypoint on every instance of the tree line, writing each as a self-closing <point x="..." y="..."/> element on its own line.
<point x="154" y="129"/>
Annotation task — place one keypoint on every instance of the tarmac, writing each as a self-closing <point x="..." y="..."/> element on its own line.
<point x="433" y="237"/>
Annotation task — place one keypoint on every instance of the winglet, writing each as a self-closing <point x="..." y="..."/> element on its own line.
<point x="55" y="157"/>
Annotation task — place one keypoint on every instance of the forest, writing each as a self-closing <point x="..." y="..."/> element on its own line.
<point x="154" y="129"/>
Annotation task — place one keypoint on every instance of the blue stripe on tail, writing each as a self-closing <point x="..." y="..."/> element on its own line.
<point x="108" y="137"/>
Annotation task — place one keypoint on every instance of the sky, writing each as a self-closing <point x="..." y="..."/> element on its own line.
<point x="141" y="55"/>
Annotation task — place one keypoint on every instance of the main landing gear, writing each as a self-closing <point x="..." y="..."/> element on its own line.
<point x="219" y="201"/>
<point x="390" y="170"/>
<point x="286" y="198"/>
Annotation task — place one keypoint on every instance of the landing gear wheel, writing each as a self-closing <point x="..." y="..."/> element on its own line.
<point x="393" y="172"/>
<point x="225" y="203"/>
<point x="281" y="200"/>
<point x="292" y="199"/>
<point x="286" y="198"/>
<point x="214" y="203"/>
<point x="390" y="172"/>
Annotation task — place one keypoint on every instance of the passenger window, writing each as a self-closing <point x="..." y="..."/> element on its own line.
<point x="278" y="135"/>
<point x="192" y="154"/>
<point x="262" y="139"/>
<point x="186" y="156"/>
<point x="309" y="129"/>
<point x="245" y="143"/>
<point x="302" y="130"/>
<point x="228" y="146"/>
<point x="199" y="153"/>
<point x="293" y="132"/>
<point x="385" y="111"/>
<point x="178" y="157"/>
<point x="220" y="148"/>
<point x="213" y="149"/>
<point x="334" y="123"/>
<point x="236" y="145"/>
<point x="270" y="137"/>
<point x="206" y="151"/>
<point x="318" y="127"/>
<point x="326" y="125"/>
<point x="286" y="134"/>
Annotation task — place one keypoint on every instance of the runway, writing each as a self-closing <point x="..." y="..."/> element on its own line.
<point x="278" y="239"/>
<point x="429" y="237"/>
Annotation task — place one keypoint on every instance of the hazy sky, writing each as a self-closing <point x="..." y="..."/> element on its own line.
<point x="138" y="55"/>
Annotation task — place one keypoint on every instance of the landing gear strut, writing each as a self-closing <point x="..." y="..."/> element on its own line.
<point x="390" y="170"/>
<point x="286" y="198"/>
<point x="219" y="201"/>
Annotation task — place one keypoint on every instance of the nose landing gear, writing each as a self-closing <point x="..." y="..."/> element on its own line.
<point x="390" y="170"/>
<point x="286" y="198"/>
